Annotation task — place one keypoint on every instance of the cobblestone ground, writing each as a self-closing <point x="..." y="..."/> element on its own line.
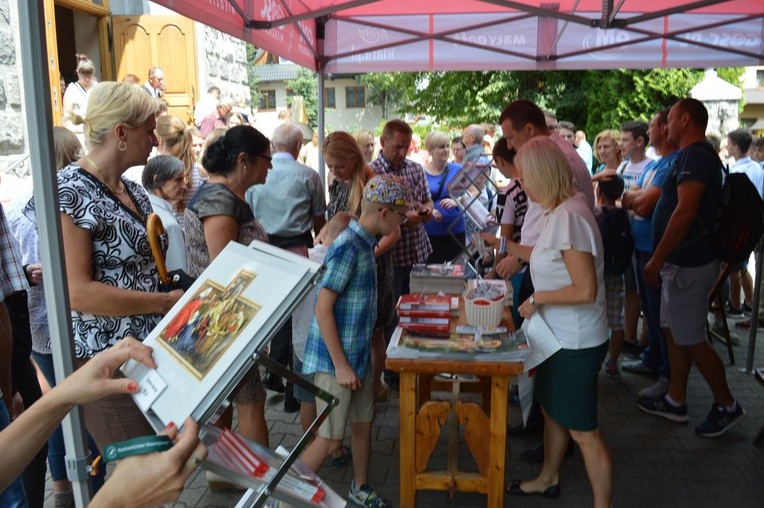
<point x="656" y="462"/>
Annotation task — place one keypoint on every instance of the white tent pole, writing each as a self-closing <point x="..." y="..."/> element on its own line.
<point x="39" y="123"/>
<point x="321" y="124"/>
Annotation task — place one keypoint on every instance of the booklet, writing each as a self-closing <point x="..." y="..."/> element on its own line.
<point x="208" y="342"/>
<point x="541" y="339"/>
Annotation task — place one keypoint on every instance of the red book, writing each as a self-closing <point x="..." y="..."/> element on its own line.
<point x="431" y="329"/>
<point x="425" y="302"/>
<point x="423" y="320"/>
<point x="424" y="313"/>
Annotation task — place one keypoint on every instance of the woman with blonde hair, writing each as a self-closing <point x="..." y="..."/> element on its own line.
<point x="567" y="268"/>
<point x="113" y="279"/>
<point x="176" y="140"/>
<point x="607" y="152"/>
<point x="346" y="161"/>
<point x="447" y="231"/>
<point x="365" y="140"/>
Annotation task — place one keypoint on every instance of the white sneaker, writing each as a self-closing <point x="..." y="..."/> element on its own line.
<point x="655" y="390"/>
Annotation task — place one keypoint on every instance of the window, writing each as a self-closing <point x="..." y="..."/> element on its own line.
<point x="355" y="97"/>
<point x="271" y="58"/>
<point x="760" y="79"/>
<point x="329" y="98"/>
<point x="290" y="92"/>
<point x="267" y="100"/>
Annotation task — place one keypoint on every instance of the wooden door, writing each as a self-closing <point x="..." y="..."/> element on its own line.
<point x="169" y="42"/>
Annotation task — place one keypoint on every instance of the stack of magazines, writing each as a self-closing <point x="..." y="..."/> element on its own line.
<point x="433" y="279"/>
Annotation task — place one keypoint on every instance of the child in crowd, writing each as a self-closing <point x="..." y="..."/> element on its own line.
<point x="301" y="320"/>
<point x="339" y="344"/>
<point x="613" y="222"/>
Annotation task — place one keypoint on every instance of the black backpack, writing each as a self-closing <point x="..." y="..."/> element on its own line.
<point x="615" y="228"/>
<point x="739" y="220"/>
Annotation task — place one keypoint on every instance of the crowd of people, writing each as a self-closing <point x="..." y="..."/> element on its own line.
<point x="389" y="208"/>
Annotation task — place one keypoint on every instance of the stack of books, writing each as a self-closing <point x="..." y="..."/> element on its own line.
<point x="424" y="313"/>
<point x="433" y="279"/>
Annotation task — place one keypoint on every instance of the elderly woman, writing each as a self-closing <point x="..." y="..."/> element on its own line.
<point x="219" y="214"/>
<point x="345" y="159"/>
<point x="164" y="180"/>
<point x="176" y="140"/>
<point x="567" y="267"/>
<point x="113" y="280"/>
<point x="447" y="230"/>
<point x="608" y="153"/>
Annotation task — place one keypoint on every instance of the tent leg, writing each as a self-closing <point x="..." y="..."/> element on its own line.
<point x="40" y="132"/>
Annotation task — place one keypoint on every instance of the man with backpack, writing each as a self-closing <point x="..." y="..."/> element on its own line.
<point x="641" y="201"/>
<point x="687" y="264"/>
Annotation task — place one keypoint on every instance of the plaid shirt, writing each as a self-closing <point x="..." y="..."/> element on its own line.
<point x="12" y="278"/>
<point x="351" y="272"/>
<point x="414" y="246"/>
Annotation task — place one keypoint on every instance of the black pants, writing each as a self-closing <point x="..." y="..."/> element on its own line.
<point x="24" y="381"/>
<point x="445" y="247"/>
<point x="526" y="290"/>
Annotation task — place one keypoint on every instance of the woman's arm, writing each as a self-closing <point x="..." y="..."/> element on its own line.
<point x="22" y="439"/>
<point x="583" y="281"/>
<point x="387" y="242"/>
<point x="93" y="297"/>
<point x="218" y="231"/>
<point x="521" y="251"/>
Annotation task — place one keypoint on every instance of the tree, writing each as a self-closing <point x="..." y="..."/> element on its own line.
<point x="387" y="89"/>
<point x="253" y="54"/>
<point x="305" y="85"/>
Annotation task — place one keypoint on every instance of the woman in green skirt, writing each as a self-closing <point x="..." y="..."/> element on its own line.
<point x="567" y="266"/>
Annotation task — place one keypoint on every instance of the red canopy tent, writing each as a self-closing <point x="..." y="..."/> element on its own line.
<point x="354" y="36"/>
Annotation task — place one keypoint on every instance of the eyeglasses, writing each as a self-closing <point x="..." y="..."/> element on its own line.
<point x="402" y="216"/>
<point x="266" y="157"/>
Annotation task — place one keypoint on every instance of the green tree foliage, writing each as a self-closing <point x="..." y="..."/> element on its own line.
<point x="387" y="89"/>
<point x="305" y="85"/>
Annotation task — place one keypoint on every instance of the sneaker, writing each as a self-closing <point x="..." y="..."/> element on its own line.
<point x="611" y="369"/>
<point x="656" y="390"/>
<point x="632" y="347"/>
<point x="637" y="367"/>
<point x="366" y="496"/>
<point x="719" y="420"/>
<point x="735" y="313"/>
<point x="661" y="407"/>
<point x="747" y="309"/>
<point x="718" y="328"/>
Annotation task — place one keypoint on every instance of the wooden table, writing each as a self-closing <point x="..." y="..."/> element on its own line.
<point x="485" y="425"/>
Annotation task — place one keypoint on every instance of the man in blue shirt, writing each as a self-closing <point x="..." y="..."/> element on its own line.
<point x="642" y="200"/>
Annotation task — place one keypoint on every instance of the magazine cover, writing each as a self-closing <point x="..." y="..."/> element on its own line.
<point x="205" y="345"/>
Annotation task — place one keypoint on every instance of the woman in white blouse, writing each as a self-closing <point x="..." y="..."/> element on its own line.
<point x="76" y="96"/>
<point x="567" y="269"/>
<point x="164" y="179"/>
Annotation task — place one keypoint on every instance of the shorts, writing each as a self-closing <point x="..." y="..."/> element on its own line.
<point x="684" y="301"/>
<point x="301" y="393"/>
<point x="615" y="295"/>
<point x="355" y="406"/>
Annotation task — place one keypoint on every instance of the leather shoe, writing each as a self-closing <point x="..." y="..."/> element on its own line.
<point x="551" y="492"/>
<point x="274" y="384"/>
<point x="291" y="405"/>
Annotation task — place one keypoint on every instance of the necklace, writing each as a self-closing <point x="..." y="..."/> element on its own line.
<point x="103" y="178"/>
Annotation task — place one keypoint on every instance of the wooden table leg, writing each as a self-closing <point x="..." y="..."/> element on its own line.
<point x="408" y="438"/>
<point x="498" y="440"/>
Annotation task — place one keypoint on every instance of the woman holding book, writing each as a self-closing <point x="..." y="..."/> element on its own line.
<point x="567" y="267"/>
<point x="345" y="159"/>
<point x="447" y="231"/>
<point x="113" y="279"/>
<point x="219" y="214"/>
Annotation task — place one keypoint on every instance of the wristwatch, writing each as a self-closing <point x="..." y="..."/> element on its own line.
<point x="532" y="299"/>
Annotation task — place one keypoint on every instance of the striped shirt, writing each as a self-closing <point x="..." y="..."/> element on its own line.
<point x="12" y="278"/>
<point x="350" y="272"/>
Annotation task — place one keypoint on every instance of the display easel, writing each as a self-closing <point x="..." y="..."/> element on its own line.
<point x="470" y="207"/>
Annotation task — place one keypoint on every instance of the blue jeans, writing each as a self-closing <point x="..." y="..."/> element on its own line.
<point x="655" y="355"/>
<point x="56" y="450"/>
<point x="13" y="496"/>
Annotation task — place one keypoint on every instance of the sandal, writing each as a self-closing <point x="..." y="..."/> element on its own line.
<point x="341" y="461"/>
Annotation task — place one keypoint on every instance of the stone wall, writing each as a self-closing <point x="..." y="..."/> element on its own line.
<point x="223" y="63"/>
<point x="13" y="139"/>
